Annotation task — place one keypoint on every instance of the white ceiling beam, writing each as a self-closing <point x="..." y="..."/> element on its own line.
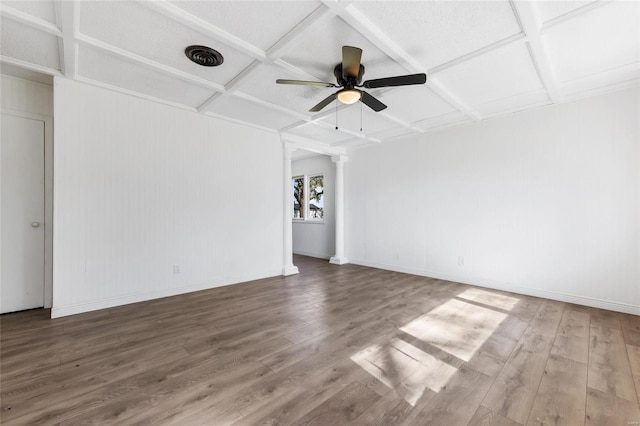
<point x="191" y="21"/>
<point x="241" y="76"/>
<point x="317" y="122"/>
<point x="133" y="93"/>
<point x="269" y="57"/>
<point x="350" y="145"/>
<point x="307" y="144"/>
<point x="394" y="119"/>
<point x="373" y="33"/>
<point x="242" y="122"/>
<point x="530" y="24"/>
<point x="229" y="87"/>
<point x="625" y="74"/>
<point x="185" y="18"/>
<point x="581" y="94"/>
<point x="409" y="131"/>
<point x="294" y="126"/>
<point x="170" y="103"/>
<point x="179" y="15"/>
<point x="514" y="39"/>
<point x="574" y="13"/>
<point x="359" y="135"/>
<point x="29" y="20"/>
<point x="300" y="73"/>
<point x="206" y="105"/>
<point x="440" y="90"/>
<point x="68" y="16"/>
<point x="269" y="105"/>
<point x="276" y="50"/>
<point x="30" y="66"/>
<point x="140" y="60"/>
<point x="367" y="28"/>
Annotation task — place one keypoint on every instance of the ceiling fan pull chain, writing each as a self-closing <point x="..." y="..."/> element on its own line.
<point x="360" y="116"/>
<point x="336" y="115"/>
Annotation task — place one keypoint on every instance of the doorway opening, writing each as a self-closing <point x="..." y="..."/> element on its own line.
<point x="314" y="227"/>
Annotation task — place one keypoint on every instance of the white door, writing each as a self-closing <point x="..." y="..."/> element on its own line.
<point x="22" y="210"/>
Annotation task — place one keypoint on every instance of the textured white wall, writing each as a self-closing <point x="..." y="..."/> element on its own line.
<point x="545" y="202"/>
<point x="312" y="238"/>
<point x="141" y="187"/>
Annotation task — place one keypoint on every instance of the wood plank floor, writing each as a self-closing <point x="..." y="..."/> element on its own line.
<point x="333" y="345"/>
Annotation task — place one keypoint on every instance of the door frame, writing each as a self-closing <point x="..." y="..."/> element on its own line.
<point x="48" y="198"/>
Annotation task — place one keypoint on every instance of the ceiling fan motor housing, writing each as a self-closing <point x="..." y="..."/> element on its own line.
<point x="350" y="81"/>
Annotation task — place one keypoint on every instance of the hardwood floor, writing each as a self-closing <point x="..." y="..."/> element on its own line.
<point x="333" y="345"/>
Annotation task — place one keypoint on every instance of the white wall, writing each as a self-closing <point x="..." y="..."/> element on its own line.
<point x="141" y="187"/>
<point x="545" y="202"/>
<point x="32" y="100"/>
<point x="313" y="238"/>
<point x="26" y="96"/>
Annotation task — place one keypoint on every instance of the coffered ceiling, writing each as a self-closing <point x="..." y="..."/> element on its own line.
<point x="482" y="59"/>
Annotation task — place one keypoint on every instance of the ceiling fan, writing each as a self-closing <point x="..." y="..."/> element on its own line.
<point x="349" y="75"/>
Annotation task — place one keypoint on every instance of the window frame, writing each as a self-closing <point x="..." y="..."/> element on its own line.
<point x="308" y="199"/>
<point x="306" y="217"/>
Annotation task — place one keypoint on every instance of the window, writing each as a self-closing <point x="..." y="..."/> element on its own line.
<point x="298" y="197"/>
<point x="316" y="201"/>
<point x="308" y="197"/>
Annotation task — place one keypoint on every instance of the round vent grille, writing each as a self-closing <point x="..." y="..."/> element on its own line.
<point x="203" y="55"/>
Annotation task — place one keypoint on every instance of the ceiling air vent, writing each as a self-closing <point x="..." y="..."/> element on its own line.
<point x="203" y="55"/>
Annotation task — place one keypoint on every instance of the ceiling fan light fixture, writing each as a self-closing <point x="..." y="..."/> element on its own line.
<point x="350" y="96"/>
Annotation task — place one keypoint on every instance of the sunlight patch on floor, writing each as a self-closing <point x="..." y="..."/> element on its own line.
<point x="404" y="368"/>
<point x="456" y="327"/>
<point x="489" y="298"/>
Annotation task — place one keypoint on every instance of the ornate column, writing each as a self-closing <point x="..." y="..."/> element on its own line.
<point x="288" y="268"/>
<point x="339" y="258"/>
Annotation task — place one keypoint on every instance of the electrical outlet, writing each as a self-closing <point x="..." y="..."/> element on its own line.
<point x="176" y="269"/>
<point x="460" y="261"/>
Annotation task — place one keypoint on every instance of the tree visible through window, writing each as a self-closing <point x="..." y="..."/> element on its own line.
<point x="311" y="206"/>
<point x="316" y="191"/>
<point x="298" y="197"/>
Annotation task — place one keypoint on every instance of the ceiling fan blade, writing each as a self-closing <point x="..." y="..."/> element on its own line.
<point x="372" y="102"/>
<point x="305" y="83"/>
<point x="351" y="61"/>
<point x="401" y="80"/>
<point x="326" y="101"/>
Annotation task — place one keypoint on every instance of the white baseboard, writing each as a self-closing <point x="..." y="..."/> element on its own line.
<point x="338" y="260"/>
<point x="496" y="285"/>
<point x="289" y="270"/>
<point x="62" y="311"/>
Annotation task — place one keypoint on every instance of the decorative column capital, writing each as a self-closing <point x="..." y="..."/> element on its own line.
<point x="288" y="147"/>
<point x="339" y="159"/>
